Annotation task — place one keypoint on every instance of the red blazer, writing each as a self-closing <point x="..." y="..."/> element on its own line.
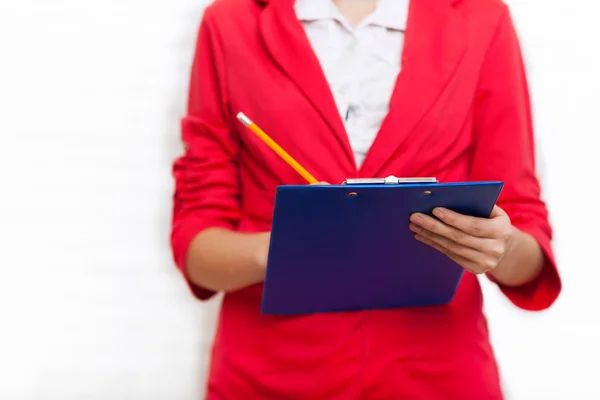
<point x="460" y="111"/>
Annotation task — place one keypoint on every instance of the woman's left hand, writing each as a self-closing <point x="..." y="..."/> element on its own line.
<point x="476" y="244"/>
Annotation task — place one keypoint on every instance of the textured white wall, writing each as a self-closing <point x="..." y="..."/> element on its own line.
<point x="90" y="305"/>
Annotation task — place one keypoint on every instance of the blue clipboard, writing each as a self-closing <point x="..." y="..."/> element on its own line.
<point x="348" y="247"/>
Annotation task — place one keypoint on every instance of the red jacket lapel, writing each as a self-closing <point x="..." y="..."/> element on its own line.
<point x="286" y="42"/>
<point x="435" y="42"/>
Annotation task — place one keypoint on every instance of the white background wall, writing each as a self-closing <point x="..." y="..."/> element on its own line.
<point x="90" y="305"/>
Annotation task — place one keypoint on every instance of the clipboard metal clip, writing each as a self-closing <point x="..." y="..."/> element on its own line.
<point x="390" y="180"/>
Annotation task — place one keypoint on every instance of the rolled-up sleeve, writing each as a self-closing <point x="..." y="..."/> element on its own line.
<point x="504" y="150"/>
<point x="206" y="175"/>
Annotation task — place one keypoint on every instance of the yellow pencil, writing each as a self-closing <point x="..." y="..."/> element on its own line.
<point x="276" y="148"/>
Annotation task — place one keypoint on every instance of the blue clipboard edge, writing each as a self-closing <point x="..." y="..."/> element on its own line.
<point x="376" y="185"/>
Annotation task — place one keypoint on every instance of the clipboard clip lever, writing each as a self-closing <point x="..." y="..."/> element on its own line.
<point x="390" y="180"/>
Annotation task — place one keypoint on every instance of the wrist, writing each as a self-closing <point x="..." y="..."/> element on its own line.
<point x="499" y="274"/>
<point x="522" y="263"/>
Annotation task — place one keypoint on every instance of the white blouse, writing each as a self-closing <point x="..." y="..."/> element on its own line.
<point x="361" y="64"/>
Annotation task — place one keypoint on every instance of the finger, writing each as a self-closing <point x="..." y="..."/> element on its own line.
<point x="320" y="183"/>
<point x="449" y="245"/>
<point x="493" y="227"/>
<point x="461" y="261"/>
<point x="428" y="223"/>
<point x="450" y="237"/>
<point x="498" y="212"/>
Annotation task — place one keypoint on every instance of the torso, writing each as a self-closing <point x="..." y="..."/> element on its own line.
<point x="428" y="353"/>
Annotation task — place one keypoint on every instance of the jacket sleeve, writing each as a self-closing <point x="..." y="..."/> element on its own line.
<point x="504" y="150"/>
<point x="206" y="175"/>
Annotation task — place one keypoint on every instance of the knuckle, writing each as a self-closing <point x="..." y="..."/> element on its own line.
<point x="424" y="233"/>
<point x="438" y="246"/>
<point x="488" y="264"/>
<point x="426" y="240"/>
<point x="501" y="230"/>
<point x="458" y="236"/>
<point x="449" y="217"/>
<point x="454" y="247"/>
<point x="442" y="249"/>
<point x="430" y="225"/>
<point x="506" y="233"/>
<point x="497" y="250"/>
<point x="477" y="270"/>
<point x="476" y="228"/>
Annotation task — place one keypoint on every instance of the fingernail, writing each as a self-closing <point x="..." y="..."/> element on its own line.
<point x="416" y="218"/>
<point x="438" y="212"/>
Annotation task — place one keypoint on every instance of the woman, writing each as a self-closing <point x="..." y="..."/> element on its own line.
<point x="358" y="89"/>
